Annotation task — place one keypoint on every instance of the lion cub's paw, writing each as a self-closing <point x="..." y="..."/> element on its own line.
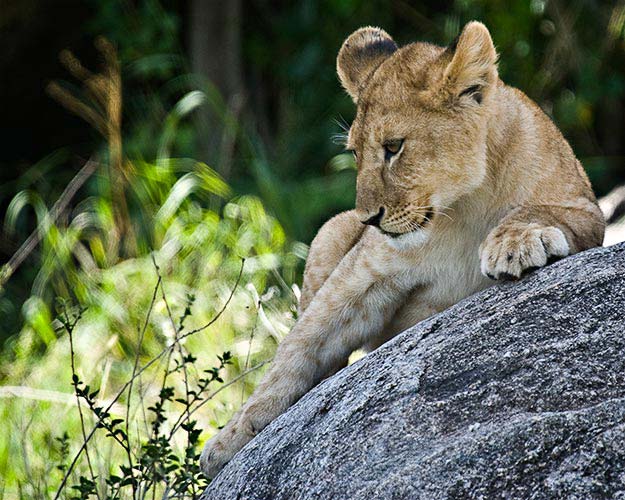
<point x="513" y="248"/>
<point x="221" y="448"/>
<point x="246" y="423"/>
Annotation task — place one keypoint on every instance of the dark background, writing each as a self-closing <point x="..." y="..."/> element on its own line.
<point x="268" y="68"/>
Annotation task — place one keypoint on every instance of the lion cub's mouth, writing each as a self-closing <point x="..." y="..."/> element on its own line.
<point x="427" y="218"/>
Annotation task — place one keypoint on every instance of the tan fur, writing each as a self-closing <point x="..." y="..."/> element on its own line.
<point x="483" y="185"/>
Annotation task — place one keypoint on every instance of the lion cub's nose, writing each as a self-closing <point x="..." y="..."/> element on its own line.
<point x="376" y="219"/>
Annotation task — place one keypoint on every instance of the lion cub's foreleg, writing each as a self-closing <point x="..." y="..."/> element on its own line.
<point x="335" y="238"/>
<point x="349" y="309"/>
<point x="531" y="235"/>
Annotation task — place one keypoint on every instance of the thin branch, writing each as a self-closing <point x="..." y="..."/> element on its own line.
<point x="249" y="346"/>
<point x="138" y="374"/>
<point x="129" y="397"/>
<point x="70" y="330"/>
<point x="217" y="391"/>
<point x="59" y="207"/>
<point x="212" y="321"/>
<point x="176" y="343"/>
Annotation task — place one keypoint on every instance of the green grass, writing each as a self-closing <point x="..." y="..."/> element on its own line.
<point x="124" y="319"/>
<point x="157" y="299"/>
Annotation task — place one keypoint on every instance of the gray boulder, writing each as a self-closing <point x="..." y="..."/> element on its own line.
<point x="515" y="392"/>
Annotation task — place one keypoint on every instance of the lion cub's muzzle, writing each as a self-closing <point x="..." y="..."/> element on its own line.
<point x="377" y="219"/>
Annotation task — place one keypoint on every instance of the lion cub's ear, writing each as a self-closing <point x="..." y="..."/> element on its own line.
<point x="473" y="67"/>
<point x="361" y="54"/>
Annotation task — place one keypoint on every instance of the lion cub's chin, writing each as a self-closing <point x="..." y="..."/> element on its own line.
<point x="409" y="240"/>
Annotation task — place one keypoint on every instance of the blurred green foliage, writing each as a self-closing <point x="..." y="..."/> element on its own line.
<point x="182" y="217"/>
<point x="166" y="199"/>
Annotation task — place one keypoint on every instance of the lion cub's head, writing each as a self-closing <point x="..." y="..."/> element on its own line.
<point x="419" y="135"/>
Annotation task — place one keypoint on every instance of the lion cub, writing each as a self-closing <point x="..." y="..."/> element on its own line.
<point x="461" y="180"/>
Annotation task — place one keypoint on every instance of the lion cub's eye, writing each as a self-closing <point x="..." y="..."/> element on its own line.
<point x="391" y="148"/>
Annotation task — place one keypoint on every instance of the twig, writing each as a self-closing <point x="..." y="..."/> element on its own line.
<point x="176" y="341"/>
<point x="210" y="323"/>
<point x="613" y="204"/>
<point x="217" y="391"/>
<point x="249" y="347"/>
<point x="134" y="371"/>
<point x="26" y="392"/>
<point x="59" y="207"/>
<point x="138" y="374"/>
<point x="70" y="330"/>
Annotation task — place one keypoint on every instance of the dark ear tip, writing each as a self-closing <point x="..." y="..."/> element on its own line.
<point x="370" y="36"/>
<point x="360" y="54"/>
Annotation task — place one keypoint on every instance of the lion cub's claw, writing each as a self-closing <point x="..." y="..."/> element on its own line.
<point x="513" y="249"/>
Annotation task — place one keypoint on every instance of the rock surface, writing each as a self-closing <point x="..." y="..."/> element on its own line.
<point x="515" y="392"/>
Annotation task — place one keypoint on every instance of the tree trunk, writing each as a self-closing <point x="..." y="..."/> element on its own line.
<point x="215" y="46"/>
